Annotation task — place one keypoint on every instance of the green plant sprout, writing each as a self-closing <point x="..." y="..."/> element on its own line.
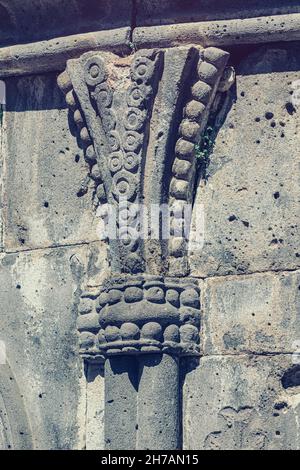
<point x="203" y="149"/>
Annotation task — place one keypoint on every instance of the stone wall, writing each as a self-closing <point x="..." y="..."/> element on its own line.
<point x="243" y="389"/>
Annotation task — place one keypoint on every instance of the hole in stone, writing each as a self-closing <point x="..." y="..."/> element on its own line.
<point x="290" y="108"/>
<point x="269" y="115"/>
<point x="291" y="378"/>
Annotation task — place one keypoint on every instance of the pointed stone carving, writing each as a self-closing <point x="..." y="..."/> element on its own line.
<point x="139" y="119"/>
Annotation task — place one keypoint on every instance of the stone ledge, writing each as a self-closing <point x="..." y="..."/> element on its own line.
<point x="52" y="55"/>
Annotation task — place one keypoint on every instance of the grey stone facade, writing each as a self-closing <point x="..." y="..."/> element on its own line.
<point x="129" y="343"/>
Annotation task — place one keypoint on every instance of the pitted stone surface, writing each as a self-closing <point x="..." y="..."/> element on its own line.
<point x="258" y="313"/>
<point x="250" y="191"/>
<point x="44" y="170"/>
<point x="241" y="403"/>
<point x="38" y="326"/>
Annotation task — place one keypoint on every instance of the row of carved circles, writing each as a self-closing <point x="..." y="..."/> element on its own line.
<point x="126" y="159"/>
<point x="156" y="294"/>
<point x="133" y="122"/>
<point x="128" y="226"/>
<point x="88" y="147"/>
<point x="123" y="163"/>
<point x="142" y="69"/>
<point x="150" y="331"/>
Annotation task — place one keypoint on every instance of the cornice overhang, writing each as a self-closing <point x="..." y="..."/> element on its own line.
<point x="51" y="55"/>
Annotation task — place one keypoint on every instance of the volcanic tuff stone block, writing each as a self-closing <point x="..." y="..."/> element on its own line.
<point x="257" y="313"/>
<point x="176" y="11"/>
<point x="45" y="174"/>
<point x="250" y="190"/>
<point x="48" y="19"/>
<point x="39" y="296"/>
<point x="242" y="402"/>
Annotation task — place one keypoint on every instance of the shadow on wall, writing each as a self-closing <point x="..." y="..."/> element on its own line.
<point x="33" y="93"/>
<point x="272" y="57"/>
<point x="7" y="27"/>
<point x="24" y="22"/>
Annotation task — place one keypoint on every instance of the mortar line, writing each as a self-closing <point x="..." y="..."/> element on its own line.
<point x="50" y="247"/>
<point x="249" y="354"/>
<point x="235" y="275"/>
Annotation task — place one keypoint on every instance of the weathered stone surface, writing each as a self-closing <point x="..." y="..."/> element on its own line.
<point x="44" y="170"/>
<point x="121" y="382"/>
<point x="15" y="431"/>
<point x="95" y="402"/>
<point x="57" y="18"/>
<point x="255" y="30"/>
<point x="257" y="313"/>
<point x="38" y="296"/>
<point x="51" y="55"/>
<point x="250" y="191"/>
<point x="117" y="106"/>
<point x="143" y="89"/>
<point x="176" y="11"/>
<point x="157" y="408"/>
<point x="241" y="403"/>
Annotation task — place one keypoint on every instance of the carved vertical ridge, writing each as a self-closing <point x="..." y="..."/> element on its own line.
<point x="210" y="68"/>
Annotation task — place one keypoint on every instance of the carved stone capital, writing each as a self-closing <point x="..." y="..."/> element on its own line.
<point x="140" y="119"/>
<point x="141" y="314"/>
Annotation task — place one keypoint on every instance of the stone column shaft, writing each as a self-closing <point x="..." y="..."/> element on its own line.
<point x="158" y="413"/>
<point x="120" y="416"/>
